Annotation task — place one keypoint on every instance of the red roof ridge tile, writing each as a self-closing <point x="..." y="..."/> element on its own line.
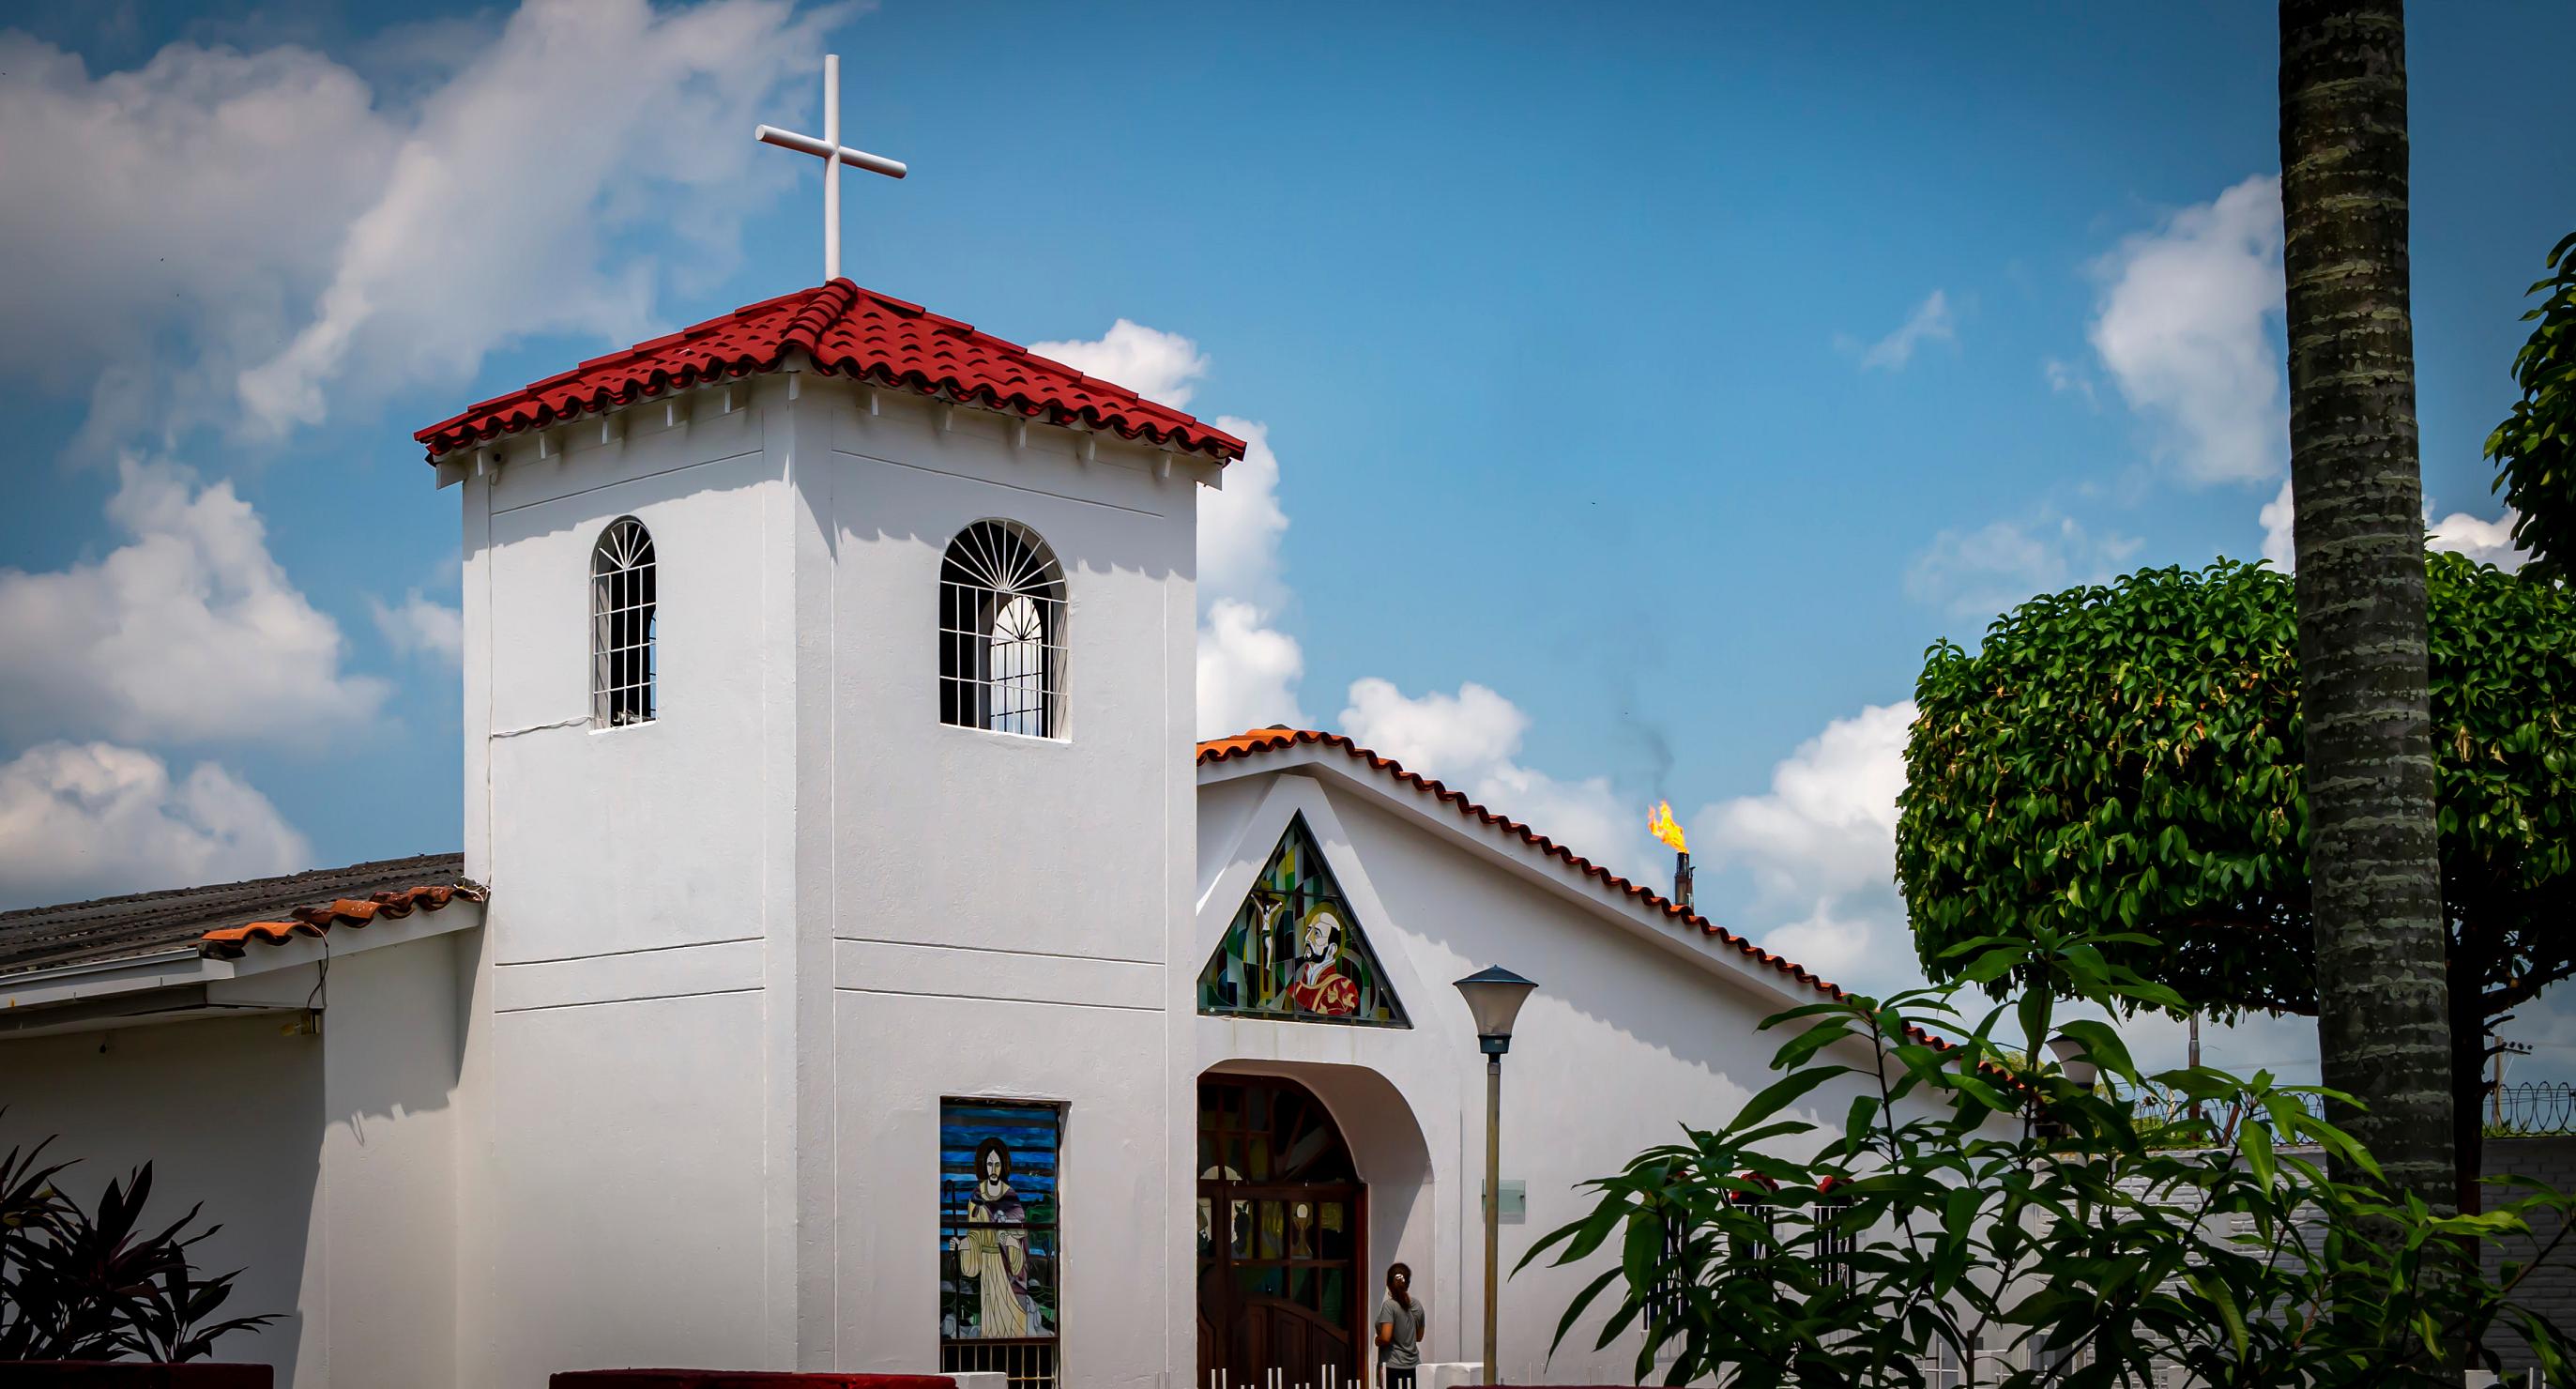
<point x="1254" y="742"/>
<point x="228" y="942"/>
<point x="844" y="330"/>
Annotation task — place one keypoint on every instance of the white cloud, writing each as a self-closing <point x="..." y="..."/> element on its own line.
<point x="1472" y="740"/>
<point x="1152" y="363"/>
<point x="2280" y="545"/>
<point x="2186" y="330"/>
<point x="199" y="198"/>
<point x="90" y="819"/>
<point x="1820" y="847"/>
<point x="1989" y="570"/>
<point x="189" y="631"/>
<point x="262" y="235"/>
<point x="1248" y="672"/>
<point x="2487" y="542"/>
<point x="1241" y="524"/>
<point x="1930" y="321"/>
<point x="1248" y="668"/>
<point x="421" y="625"/>
<point x="1449" y="737"/>
<point x="644" y="115"/>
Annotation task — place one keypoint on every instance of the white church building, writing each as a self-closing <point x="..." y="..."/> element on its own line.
<point x="852" y="961"/>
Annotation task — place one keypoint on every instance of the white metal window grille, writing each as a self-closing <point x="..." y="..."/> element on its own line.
<point x="1030" y="1364"/>
<point x="622" y="669"/>
<point x="1001" y="632"/>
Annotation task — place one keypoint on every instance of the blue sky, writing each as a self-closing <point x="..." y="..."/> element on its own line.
<point x="1647" y="387"/>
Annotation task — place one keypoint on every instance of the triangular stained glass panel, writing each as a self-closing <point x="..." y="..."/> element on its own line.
<point x="1295" y="950"/>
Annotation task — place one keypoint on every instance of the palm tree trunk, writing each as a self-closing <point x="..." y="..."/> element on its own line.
<point x="2383" y="1027"/>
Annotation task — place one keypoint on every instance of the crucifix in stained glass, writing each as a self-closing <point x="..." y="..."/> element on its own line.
<point x="1295" y="950"/>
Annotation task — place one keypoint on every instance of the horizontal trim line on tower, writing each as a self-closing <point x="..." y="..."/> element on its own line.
<point x="755" y="451"/>
<point x="1005" y="486"/>
<point x="638" y="998"/>
<point x="992" y="998"/>
<point x="638" y="950"/>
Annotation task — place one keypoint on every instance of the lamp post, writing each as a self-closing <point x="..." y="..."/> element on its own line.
<point x="1494" y="997"/>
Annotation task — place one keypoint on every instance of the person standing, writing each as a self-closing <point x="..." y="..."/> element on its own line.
<point x="1399" y="1330"/>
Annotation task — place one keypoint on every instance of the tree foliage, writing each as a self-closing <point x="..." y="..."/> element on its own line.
<point x="2127" y="757"/>
<point x="1964" y="1203"/>
<point x="2534" y="450"/>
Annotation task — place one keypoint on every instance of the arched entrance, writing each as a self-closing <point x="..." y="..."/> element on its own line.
<point x="1281" y="1216"/>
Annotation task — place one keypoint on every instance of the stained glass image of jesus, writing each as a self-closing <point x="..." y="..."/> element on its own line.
<point x="994" y="1251"/>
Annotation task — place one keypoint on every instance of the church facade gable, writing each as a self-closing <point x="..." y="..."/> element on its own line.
<point x="1295" y="950"/>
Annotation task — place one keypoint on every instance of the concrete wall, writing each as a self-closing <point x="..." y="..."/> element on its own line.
<point x="1626" y="1039"/>
<point x="737" y="955"/>
<point x="1002" y="908"/>
<point x="327" y="1159"/>
<point x="2551" y="1288"/>
<point x="620" y="1168"/>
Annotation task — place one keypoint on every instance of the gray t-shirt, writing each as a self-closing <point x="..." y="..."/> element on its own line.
<point x="1403" y="1348"/>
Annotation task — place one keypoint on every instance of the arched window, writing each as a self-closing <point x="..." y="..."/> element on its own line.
<point x="622" y="672"/>
<point x="1001" y="632"/>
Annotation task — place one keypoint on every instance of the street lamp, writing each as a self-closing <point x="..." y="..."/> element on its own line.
<point x="2074" y="1061"/>
<point x="1494" y="997"/>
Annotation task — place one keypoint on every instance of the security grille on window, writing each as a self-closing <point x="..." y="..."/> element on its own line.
<point x="1829" y="1246"/>
<point x="1001" y="632"/>
<point x="622" y="671"/>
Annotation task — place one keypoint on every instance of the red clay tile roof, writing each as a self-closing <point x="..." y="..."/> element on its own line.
<point x="228" y="942"/>
<point x="847" y="331"/>
<point x="1262" y="740"/>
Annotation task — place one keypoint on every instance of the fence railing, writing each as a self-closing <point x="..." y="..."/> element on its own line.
<point x="2519" y="1110"/>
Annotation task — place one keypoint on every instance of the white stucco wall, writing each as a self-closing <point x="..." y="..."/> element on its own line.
<point x="328" y="1159"/>
<point x="1629" y="1035"/>
<point x="1004" y="907"/>
<point x="735" y="954"/>
<point x="619" y="1167"/>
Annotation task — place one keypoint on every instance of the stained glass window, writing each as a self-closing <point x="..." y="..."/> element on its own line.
<point x="1295" y="950"/>
<point x="998" y="1250"/>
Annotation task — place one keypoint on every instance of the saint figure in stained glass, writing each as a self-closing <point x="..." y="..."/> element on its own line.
<point x="1295" y="951"/>
<point x="993" y="1254"/>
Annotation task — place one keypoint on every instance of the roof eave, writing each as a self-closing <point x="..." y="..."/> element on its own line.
<point x="450" y="460"/>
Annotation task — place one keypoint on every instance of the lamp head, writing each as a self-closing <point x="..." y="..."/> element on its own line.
<point x="1494" y="997"/>
<point x="2074" y="1060"/>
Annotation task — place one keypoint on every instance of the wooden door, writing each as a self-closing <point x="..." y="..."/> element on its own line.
<point x="1282" y="1262"/>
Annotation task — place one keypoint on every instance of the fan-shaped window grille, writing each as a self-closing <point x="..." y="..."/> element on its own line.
<point x="1001" y="632"/>
<point x="622" y="671"/>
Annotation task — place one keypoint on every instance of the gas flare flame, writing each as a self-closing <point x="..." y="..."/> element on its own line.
<point x="1659" y="821"/>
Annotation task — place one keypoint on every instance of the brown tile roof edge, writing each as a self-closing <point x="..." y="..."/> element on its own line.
<point x="229" y="942"/>
<point x="1264" y="740"/>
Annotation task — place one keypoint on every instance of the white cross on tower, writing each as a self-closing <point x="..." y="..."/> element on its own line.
<point x="826" y="149"/>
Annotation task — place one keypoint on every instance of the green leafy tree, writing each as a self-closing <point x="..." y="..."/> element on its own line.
<point x="2535" y="448"/>
<point x="1965" y="1206"/>
<point x="2374" y="878"/>
<point x="2130" y="758"/>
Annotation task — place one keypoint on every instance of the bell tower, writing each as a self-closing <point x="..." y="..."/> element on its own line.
<point x="829" y="681"/>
